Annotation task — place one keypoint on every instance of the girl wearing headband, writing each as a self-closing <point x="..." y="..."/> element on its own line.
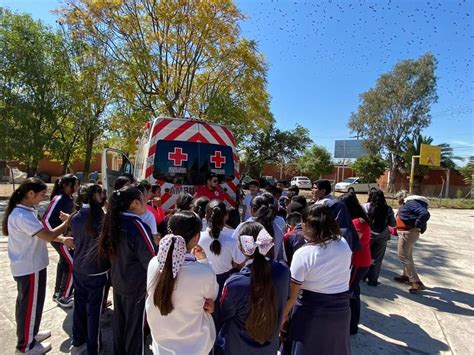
<point x="127" y="243"/>
<point x="252" y="300"/>
<point x="181" y="288"/>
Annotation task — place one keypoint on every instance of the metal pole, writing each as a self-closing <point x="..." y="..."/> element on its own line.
<point x="448" y="174"/>
<point x="412" y="172"/>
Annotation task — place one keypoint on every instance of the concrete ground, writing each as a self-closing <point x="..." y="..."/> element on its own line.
<point x="439" y="320"/>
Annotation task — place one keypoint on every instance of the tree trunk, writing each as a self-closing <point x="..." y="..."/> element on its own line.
<point x="31" y="166"/>
<point x="88" y="154"/>
<point x="67" y="158"/>
<point x="391" y="180"/>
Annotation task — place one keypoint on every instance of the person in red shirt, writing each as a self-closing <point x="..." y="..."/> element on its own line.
<point x="361" y="258"/>
<point x="154" y="205"/>
<point x="211" y="190"/>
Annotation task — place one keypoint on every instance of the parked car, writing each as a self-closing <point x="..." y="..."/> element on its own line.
<point x="354" y="184"/>
<point x="302" y="182"/>
<point x="43" y="176"/>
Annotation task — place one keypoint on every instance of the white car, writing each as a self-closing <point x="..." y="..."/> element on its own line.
<point x="353" y="184"/>
<point x="302" y="182"/>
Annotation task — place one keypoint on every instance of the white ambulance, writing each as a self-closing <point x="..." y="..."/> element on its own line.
<point x="178" y="154"/>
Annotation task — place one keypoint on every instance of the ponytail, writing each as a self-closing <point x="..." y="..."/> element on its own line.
<point x="59" y="184"/>
<point x="162" y="297"/>
<point x="186" y="224"/>
<point x="216" y="211"/>
<point x="262" y="320"/>
<point x="31" y="184"/>
<point x="119" y="202"/>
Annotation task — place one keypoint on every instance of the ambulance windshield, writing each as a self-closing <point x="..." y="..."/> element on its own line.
<point x="188" y="163"/>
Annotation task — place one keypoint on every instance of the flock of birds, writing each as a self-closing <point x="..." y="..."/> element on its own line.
<point x="367" y="36"/>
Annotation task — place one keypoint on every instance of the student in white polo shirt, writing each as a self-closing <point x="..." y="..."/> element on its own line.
<point x="28" y="254"/>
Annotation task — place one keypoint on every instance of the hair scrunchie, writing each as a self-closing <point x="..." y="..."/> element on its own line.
<point x="179" y="252"/>
<point x="264" y="243"/>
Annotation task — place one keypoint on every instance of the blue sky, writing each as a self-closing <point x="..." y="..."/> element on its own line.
<point x="322" y="54"/>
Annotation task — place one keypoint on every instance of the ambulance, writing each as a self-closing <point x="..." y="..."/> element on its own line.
<point x="178" y="154"/>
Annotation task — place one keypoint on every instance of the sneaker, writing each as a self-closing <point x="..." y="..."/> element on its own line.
<point x="402" y="279"/>
<point x="416" y="287"/>
<point x="76" y="350"/>
<point x="38" y="348"/>
<point x="65" y="302"/>
<point x="373" y="283"/>
<point x="55" y="297"/>
<point x="42" y="335"/>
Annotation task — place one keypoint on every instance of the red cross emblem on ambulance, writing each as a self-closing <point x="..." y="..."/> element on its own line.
<point x="218" y="159"/>
<point x="177" y="156"/>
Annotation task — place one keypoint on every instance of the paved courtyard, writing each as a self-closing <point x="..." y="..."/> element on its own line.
<point x="440" y="320"/>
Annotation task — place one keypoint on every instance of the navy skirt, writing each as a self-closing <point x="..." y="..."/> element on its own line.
<point x="319" y="324"/>
<point x="216" y="315"/>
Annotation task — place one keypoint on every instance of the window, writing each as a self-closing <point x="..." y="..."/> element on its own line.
<point x="188" y="163"/>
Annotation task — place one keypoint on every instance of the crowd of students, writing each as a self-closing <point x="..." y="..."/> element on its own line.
<point x="198" y="280"/>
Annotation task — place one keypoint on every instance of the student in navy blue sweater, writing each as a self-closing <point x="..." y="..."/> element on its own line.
<point x="62" y="201"/>
<point x="127" y="242"/>
<point x="252" y="300"/>
<point x="90" y="272"/>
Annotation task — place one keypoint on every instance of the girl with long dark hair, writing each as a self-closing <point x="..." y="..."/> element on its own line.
<point x="62" y="201"/>
<point x="181" y="288"/>
<point x="252" y="301"/>
<point x="319" y="295"/>
<point x="90" y="271"/>
<point x="127" y="243"/>
<point x="361" y="258"/>
<point x="221" y="249"/>
<point x="381" y="217"/>
<point x="28" y="254"/>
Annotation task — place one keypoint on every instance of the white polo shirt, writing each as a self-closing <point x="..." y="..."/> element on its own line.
<point x="27" y="253"/>
<point x="229" y="251"/>
<point x="149" y="219"/>
<point x="323" y="269"/>
<point x="188" y="329"/>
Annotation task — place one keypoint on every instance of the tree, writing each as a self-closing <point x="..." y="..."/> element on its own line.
<point x="315" y="161"/>
<point x="273" y="146"/>
<point x="34" y="85"/>
<point x="369" y="168"/>
<point x="467" y="172"/>
<point x="93" y="98"/>
<point x="397" y="109"/>
<point x="175" y="58"/>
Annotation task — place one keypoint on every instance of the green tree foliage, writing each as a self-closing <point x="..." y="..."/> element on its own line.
<point x="315" y="162"/>
<point x="467" y="172"/>
<point x="274" y="146"/>
<point x="175" y="58"/>
<point x="93" y="94"/>
<point x="369" y="168"/>
<point x="35" y="86"/>
<point x="397" y="109"/>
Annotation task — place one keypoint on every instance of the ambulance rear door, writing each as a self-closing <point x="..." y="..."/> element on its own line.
<point x="115" y="163"/>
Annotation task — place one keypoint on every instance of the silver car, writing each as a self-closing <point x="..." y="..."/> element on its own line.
<point x="302" y="182"/>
